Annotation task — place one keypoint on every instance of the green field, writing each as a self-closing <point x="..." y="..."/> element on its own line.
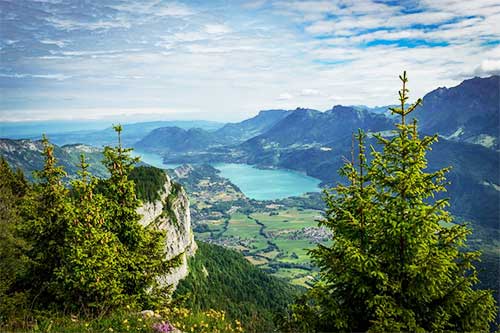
<point x="273" y="241"/>
<point x="291" y="219"/>
<point x="242" y="226"/>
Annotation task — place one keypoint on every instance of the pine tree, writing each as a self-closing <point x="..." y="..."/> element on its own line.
<point x="91" y="268"/>
<point x="397" y="262"/>
<point x="143" y="247"/>
<point x="46" y="214"/>
<point x="12" y="247"/>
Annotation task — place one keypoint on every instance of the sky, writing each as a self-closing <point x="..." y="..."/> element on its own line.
<point x="226" y="60"/>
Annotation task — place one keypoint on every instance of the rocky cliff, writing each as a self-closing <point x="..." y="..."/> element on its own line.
<point x="171" y="214"/>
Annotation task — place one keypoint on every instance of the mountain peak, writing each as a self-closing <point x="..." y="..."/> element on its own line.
<point x="342" y="108"/>
<point x="271" y="111"/>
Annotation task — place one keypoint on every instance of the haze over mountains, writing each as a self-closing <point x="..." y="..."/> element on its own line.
<point x="466" y="113"/>
<point x="466" y="117"/>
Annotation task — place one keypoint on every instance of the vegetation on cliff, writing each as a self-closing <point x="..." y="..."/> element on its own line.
<point x="149" y="182"/>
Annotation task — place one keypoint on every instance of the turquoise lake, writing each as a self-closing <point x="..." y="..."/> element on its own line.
<point x="267" y="184"/>
<point x="258" y="184"/>
<point x="153" y="160"/>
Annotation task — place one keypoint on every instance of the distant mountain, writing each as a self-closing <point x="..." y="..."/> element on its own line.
<point x="174" y="139"/>
<point x="306" y="126"/>
<point x="27" y="156"/>
<point x="254" y="126"/>
<point x="131" y="134"/>
<point x="468" y="112"/>
<point x="34" y="129"/>
<point x="466" y="117"/>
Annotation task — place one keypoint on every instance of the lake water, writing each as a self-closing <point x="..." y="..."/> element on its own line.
<point x="153" y="159"/>
<point x="262" y="184"/>
<point x="255" y="183"/>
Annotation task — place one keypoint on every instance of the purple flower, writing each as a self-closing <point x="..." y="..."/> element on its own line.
<point x="163" y="327"/>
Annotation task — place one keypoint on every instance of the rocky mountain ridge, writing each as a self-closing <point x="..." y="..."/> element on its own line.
<point x="171" y="214"/>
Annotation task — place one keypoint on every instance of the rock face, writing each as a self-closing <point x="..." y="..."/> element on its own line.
<point x="171" y="214"/>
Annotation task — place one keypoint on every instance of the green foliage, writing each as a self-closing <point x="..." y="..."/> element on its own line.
<point x="396" y="262"/>
<point x="92" y="265"/>
<point x="12" y="247"/>
<point x="223" y="279"/>
<point x="79" y="249"/>
<point x="46" y="213"/>
<point x="142" y="259"/>
<point x="129" y="319"/>
<point x="168" y="209"/>
<point x="149" y="182"/>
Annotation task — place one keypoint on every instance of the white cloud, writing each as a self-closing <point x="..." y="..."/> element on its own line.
<point x="254" y="4"/>
<point x="172" y="9"/>
<point x="284" y="97"/>
<point x="488" y="67"/>
<point x="236" y="61"/>
<point x="67" y="24"/>
<point x="156" y="8"/>
<point x="217" y="29"/>
<point x="57" y="76"/>
<point x="310" y="92"/>
<point x="121" y="114"/>
<point x="58" y="43"/>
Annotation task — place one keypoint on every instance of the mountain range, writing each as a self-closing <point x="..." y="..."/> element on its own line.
<point x="466" y="117"/>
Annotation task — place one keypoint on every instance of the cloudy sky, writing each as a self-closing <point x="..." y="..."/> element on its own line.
<point x="225" y="60"/>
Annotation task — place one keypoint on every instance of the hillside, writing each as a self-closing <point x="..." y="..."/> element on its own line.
<point x="468" y="112"/>
<point x="174" y="139"/>
<point x="166" y="140"/>
<point x="27" y="156"/>
<point x="261" y="123"/>
<point x="309" y="127"/>
<point x="223" y="279"/>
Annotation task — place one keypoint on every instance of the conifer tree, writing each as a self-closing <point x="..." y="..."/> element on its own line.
<point x="46" y="213"/>
<point x="397" y="262"/>
<point x="143" y="247"/>
<point x="91" y="269"/>
<point x="12" y="246"/>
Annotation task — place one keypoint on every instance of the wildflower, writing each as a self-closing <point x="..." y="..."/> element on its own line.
<point x="147" y="313"/>
<point x="111" y="329"/>
<point x="163" y="327"/>
<point x="125" y="321"/>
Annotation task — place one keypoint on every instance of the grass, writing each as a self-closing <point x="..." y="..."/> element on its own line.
<point x="298" y="246"/>
<point x="127" y="320"/>
<point x="288" y="251"/>
<point x="291" y="219"/>
<point x="241" y="226"/>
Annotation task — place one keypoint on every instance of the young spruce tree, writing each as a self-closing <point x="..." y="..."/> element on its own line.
<point x="91" y="267"/>
<point x="45" y="213"/>
<point x="397" y="262"/>
<point x="13" y="263"/>
<point x="143" y="247"/>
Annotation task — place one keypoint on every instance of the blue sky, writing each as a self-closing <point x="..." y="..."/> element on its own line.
<point x="226" y="60"/>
